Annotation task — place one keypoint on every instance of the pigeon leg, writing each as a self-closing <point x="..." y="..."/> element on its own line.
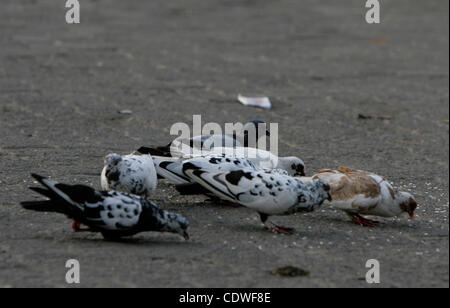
<point x="363" y="222"/>
<point x="271" y="227"/>
<point x="233" y="204"/>
<point x="279" y="229"/>
<point x="76" y="227"/>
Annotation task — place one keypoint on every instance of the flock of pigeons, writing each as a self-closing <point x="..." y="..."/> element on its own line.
<point x="238" y="174"/>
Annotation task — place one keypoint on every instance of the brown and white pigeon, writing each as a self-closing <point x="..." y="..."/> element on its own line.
<point x="358" y="192"/>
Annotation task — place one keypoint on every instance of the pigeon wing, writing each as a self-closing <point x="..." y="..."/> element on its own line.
<point x="351" y="190"/>
<point x="139" y="173"/>
<point x="172" y="170"/>
<point x="116" y="211"/>
<point x="264" y="192"/>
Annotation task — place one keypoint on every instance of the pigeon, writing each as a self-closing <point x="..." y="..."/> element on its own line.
<point x="173" y="169"/>
<point x="228" y="159"/>
<point x="113" y="214"/>
<point x="358" y="192"/>
<point x="264" y="159"/>
<point x="215" y="164"/>
<point x="134" y="174"/>
<point x="182" y="146"/>
<point x="266" y="193"/>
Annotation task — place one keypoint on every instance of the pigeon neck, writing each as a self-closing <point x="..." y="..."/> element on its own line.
<point x="153" y="218"/>
<point x="381" y="181"/>
<point x="392" y="203"/>
<point x="169" y="222"/>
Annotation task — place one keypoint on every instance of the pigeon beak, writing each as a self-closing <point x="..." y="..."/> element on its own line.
<point x="186" y="236"/>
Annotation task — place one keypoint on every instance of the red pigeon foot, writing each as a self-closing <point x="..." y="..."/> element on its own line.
<point x="363" y="222"/>
<point x="76" y="227"/>
<point x="280" y="230"/>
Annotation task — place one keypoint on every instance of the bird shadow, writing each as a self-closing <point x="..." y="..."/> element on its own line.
<point x="261" y="230"/>
<point x="126" y="241"/>
<point x="380" y="224"/>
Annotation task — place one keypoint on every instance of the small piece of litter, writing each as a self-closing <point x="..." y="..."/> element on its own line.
<point x="126" y="111"/>
<point x="260" y="102"/>
<point x="368" y="117"/>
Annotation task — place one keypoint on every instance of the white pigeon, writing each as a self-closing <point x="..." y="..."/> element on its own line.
<point x="360" y="192"/>
<point x="172" y="169"/>
<point x="228" y="159"/>
<point x="264" y="159"/>
<point x="214" y="163"/>
<point x="113" y="214"/>
<point x="134" y="174"/>
<point x="184" y="146"/>
<point x="267" y="193"/>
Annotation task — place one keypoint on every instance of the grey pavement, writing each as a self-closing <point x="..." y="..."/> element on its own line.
<point x="61" y="87"/>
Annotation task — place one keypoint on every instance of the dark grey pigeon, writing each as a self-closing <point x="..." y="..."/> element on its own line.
<point x="207" y="142"/>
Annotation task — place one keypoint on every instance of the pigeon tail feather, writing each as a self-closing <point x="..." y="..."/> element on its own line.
<point x="163" y="151"/>
<point x="63" y="198"/>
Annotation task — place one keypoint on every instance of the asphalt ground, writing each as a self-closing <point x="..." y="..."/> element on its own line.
<point x="61" y="87"/>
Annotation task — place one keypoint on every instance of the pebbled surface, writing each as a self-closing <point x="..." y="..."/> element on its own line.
<point x="61" y="87"/>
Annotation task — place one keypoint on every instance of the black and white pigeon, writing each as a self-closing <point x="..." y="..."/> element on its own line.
<point x="113" y="214"/>
<point x="264" y="159"/>
<point x="267" y="193"/>
<point x="214" y="164"/>
<point x="228" y="159"/>
<point x="134" y="174"/>
<point x="173" y="169"/>
<point x="181" y="146"/>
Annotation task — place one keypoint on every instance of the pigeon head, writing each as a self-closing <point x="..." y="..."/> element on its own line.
<point x="255" y="124"/>
<point x="293" y="165"/>
<point x="111" y="162"/>
<point x="176" y="223"/>
<point x="407" y="203"/>
<point x="313" y="194"/>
